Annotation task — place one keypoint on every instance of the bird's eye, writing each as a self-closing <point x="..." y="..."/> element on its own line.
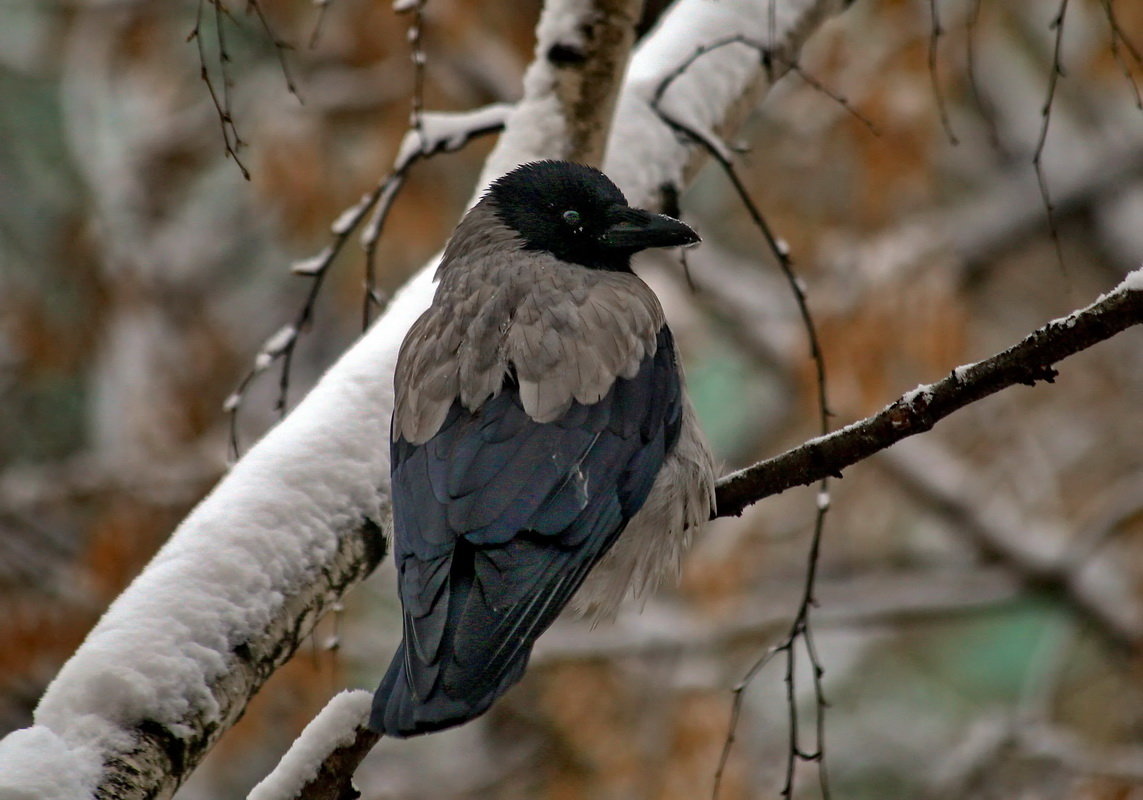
<point x="571" y="217"/>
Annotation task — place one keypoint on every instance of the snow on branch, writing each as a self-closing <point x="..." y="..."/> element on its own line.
<point x="307" y="767"/>
<point x="646" y="157"/>
<point x="173" y="662"/>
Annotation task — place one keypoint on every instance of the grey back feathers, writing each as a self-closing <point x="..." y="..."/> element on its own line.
<point x="568" y="332"/>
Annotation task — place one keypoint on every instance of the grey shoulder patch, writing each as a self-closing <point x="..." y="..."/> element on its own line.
<point x="574" y="335"/>
<point x="567" y="331"/>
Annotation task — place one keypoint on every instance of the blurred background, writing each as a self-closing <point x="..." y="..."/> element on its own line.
<point x="981" y="586"/>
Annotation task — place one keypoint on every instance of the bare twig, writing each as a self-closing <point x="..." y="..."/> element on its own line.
<point x="1119" y="37"/>
<point x="769" y="56"/>
<point x="936" y="31"/>
<point x="315" y="34"/>
<point x="372" y="234"/>
<point x="1027" y="362"/>
<point x="280" y="46"/>
<point x="220" y="95"/>
<point x="800" y="628"/>
<point x="840" y="99"/>
<point x="232" y="142"/>
<point x="1056" y="72"/>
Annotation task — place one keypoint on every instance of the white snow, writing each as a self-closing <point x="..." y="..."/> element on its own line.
<point x="537" y="128"/>
<point x="36" y="764"/>
<point x="334" y="727"/>
<point x="699" y="97"/>
<point x="279" y="341"/>
<point x="823" y="501"/>
<point x="449" y="130"/>
<point x="345" y="219"/>
<point x="923" y="392"/>
<point x="311" y="265"/>
<point x="1134" y="281"/>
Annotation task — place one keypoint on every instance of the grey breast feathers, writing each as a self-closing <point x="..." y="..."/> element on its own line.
<point x="566" y="330"/>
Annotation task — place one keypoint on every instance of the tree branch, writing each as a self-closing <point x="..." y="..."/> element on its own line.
<point x="917" y="411"/>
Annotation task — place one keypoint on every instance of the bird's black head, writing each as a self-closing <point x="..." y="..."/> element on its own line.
<point x="578" y="215"/>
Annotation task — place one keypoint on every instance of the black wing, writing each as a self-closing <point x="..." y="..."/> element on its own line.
<point x="498" y="520"/>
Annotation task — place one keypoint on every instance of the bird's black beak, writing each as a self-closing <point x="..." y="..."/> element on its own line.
<point x="635" y="229"/>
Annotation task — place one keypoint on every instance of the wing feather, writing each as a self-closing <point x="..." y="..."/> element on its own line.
<point x="499" y="518"/>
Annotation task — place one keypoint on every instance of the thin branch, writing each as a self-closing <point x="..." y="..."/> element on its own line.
<point x="441" y="133"/>
<point x="840" y="99"/>
<point x="738" y="694"/>
<point x="372" y="235"/>
<point x="221" y="96"/>
<point x="1056" y="72"/>
<point x="936" y="31"/>
<point x="1119" y="37"/>
<point x="231" y="141"/>
<point x="800" y="628"/>
<point x="280" y="46"/>
<point x="315" y="34"/>
<point x="1027" y="362"/>
<point x="769" y="56"/>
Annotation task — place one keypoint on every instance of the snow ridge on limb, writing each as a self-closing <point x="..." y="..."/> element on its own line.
<point x="336" y="726"/>
<point x="647" y="159"/>
<point x="227" y="600"/>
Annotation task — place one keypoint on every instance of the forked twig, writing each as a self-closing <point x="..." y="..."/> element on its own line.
<point x="232" y="142"/>
<point x="220" y="94"/>
<point x="372" y="235"/>
<point x="440" y="133"/>
<point x="280" y="46"/>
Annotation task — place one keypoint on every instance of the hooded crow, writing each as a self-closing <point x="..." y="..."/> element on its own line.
<point x="540" y="432"/>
